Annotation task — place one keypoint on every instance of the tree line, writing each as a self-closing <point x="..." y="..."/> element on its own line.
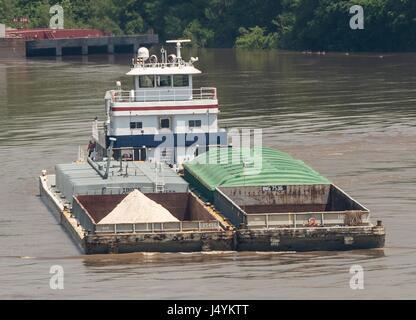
<point x="390" y="25"/>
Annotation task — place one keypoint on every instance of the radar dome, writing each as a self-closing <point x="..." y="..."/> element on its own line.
<point x="143" y="53"/>
<point x="172" y="58"/>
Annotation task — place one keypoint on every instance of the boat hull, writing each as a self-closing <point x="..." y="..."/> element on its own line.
<point x="133" y="242"/>
<point x="280" y="239"/>
<point x="311" y="239"/>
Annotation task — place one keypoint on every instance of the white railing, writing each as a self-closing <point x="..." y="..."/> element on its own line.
<point x="305" y="219"/>
<point x="98" y="132"/>
<point x="155" y="95"/>
<point x="181" y="226"/>
<point x="137" y="63"/>
<point x="82" y="154"/>
<point x="95" y="131"/>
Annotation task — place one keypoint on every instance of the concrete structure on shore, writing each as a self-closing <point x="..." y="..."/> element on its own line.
<point x="12" y="48"/>
<point x="2" y="31"/>
<point x="18" y="43"/>
<point x="85" y="46"/>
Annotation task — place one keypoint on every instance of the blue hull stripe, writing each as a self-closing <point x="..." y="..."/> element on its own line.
<point x="174" y="140"/>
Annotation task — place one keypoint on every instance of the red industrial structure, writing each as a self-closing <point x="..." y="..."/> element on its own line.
<point x="50" y="34"/>
<point x="25" y="42"/>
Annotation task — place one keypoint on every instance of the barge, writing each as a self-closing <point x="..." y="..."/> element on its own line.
<point x="162" y="139"/>
<point x="80" y="198"/>
<point x="282" y="204"/>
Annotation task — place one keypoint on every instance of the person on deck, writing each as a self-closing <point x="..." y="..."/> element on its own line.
<point x="91" y="148"/>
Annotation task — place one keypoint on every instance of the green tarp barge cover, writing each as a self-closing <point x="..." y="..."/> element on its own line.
<point x="237" y="167"/>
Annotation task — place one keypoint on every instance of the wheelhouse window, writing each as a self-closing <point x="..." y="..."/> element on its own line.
<point x="164" y="123"/>
<point x="195" y="123"/>
<point x="181" y="81"/>
<point x="136" y="125"/>
<point x="146" y="81"/>
<point x="164" y="81"/>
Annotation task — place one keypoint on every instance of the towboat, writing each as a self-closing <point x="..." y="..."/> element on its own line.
<point x="162" y="138"/>
<point x="162" y="117"/>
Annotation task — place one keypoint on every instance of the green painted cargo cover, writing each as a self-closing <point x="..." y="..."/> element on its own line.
<point x="234" y="167"/>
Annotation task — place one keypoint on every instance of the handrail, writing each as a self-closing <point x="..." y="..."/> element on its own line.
<point x="171" y="94"/>
<point x="267" y="220"/>
<point x="158" y="227"/>
<point x="144" y="65"/>
<point x="307" y="212"/>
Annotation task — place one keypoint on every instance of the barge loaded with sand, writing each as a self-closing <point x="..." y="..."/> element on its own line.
<point x="159" y="176"/>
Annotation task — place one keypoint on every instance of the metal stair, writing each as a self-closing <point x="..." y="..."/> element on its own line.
<point x="159" y="179"/>
<point x="166" y="156"/>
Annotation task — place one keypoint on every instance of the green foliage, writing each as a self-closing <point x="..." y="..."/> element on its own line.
<point x="290" y="24"/>
<point x="256" y="38"/>
<point x="324" y="25"/>
<point x="199" y="35"/>
<point x="8" y="10"/>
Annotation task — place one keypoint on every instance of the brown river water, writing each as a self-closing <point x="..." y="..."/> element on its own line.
<point x="352" y="118"/>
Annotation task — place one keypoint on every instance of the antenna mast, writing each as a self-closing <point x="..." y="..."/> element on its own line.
<point x="178" y="46"/>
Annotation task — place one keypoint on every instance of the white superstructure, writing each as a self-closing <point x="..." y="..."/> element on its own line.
<point x="163" y="117"/>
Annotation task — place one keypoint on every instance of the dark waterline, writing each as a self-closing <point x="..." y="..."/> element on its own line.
<point x="352" y="118"/>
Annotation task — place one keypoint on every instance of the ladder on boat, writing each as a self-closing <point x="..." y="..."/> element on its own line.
<point x="159" y="180"/>
<point x="166" y="156"/>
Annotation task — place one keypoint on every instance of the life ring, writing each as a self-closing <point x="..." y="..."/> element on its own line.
<point x="312" y="222"/>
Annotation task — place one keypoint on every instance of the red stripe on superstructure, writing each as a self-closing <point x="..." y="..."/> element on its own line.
<point x="163" y="108"/>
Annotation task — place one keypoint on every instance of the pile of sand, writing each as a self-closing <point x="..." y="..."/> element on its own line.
<point x="137" y="208"/>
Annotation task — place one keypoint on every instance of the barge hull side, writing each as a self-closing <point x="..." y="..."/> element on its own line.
<point x="308" y="239"/>
<point x="166" y="242"/>
<point x="58" y="212"/>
